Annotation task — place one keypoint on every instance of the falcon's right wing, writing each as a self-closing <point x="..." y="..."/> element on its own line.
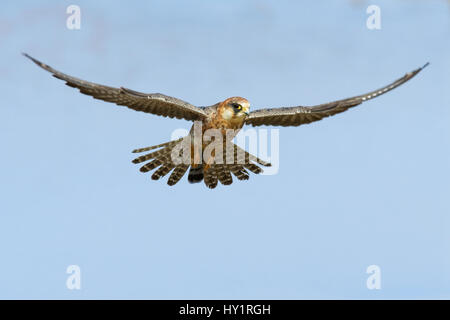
<point x="154" y="103"/>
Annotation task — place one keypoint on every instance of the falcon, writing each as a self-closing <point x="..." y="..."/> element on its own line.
<point x="229" y="115"/>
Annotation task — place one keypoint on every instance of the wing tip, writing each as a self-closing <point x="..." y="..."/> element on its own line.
<point x="425" y="65"/>
<point x="36" y="61"/>
<point x="421" y="68"/>
<point x="31" y="58"/>
<point x="413" y="73"/>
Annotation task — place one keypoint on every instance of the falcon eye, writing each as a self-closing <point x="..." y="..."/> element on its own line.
<point x="237" y="106"/>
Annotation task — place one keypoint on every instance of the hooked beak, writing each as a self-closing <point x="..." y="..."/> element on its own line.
<point x="246" y="111"/>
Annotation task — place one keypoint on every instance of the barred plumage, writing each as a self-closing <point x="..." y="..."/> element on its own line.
<point x="162" y="171"/>
<point x="231" y="113"/>
<point x="162" y="162"/>
<point x="211" y="177"/>
<point x="177" y="174"/>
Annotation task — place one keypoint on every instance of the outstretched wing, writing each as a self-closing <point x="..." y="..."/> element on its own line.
<point x="154" y="103"/>
<point x="295" y="116"/>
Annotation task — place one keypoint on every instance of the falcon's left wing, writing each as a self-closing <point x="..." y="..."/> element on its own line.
<point x="295" y="116"/>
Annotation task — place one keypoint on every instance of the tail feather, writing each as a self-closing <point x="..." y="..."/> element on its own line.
<point x="239" y="172"/>
<point x="168" y="146"/>
<point x="151" y="165"/>
<point x="253" y="168"/>
<point x="211" y="175"/>
<point x="223" y="174"/>
<point x="248" y="157"/>
<point x="162" y="171"/>
<point x="177" y="174"/>
<point x="157" y="146"/>
<point x="147" y="157"/>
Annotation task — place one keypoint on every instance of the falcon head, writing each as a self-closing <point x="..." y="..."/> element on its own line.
<point x="235" y="108"/>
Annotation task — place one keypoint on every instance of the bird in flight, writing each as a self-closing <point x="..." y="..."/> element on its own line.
<point x="229" y="115"/>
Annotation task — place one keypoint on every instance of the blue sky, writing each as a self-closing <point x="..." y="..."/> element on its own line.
<point x="370" y="186"/>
